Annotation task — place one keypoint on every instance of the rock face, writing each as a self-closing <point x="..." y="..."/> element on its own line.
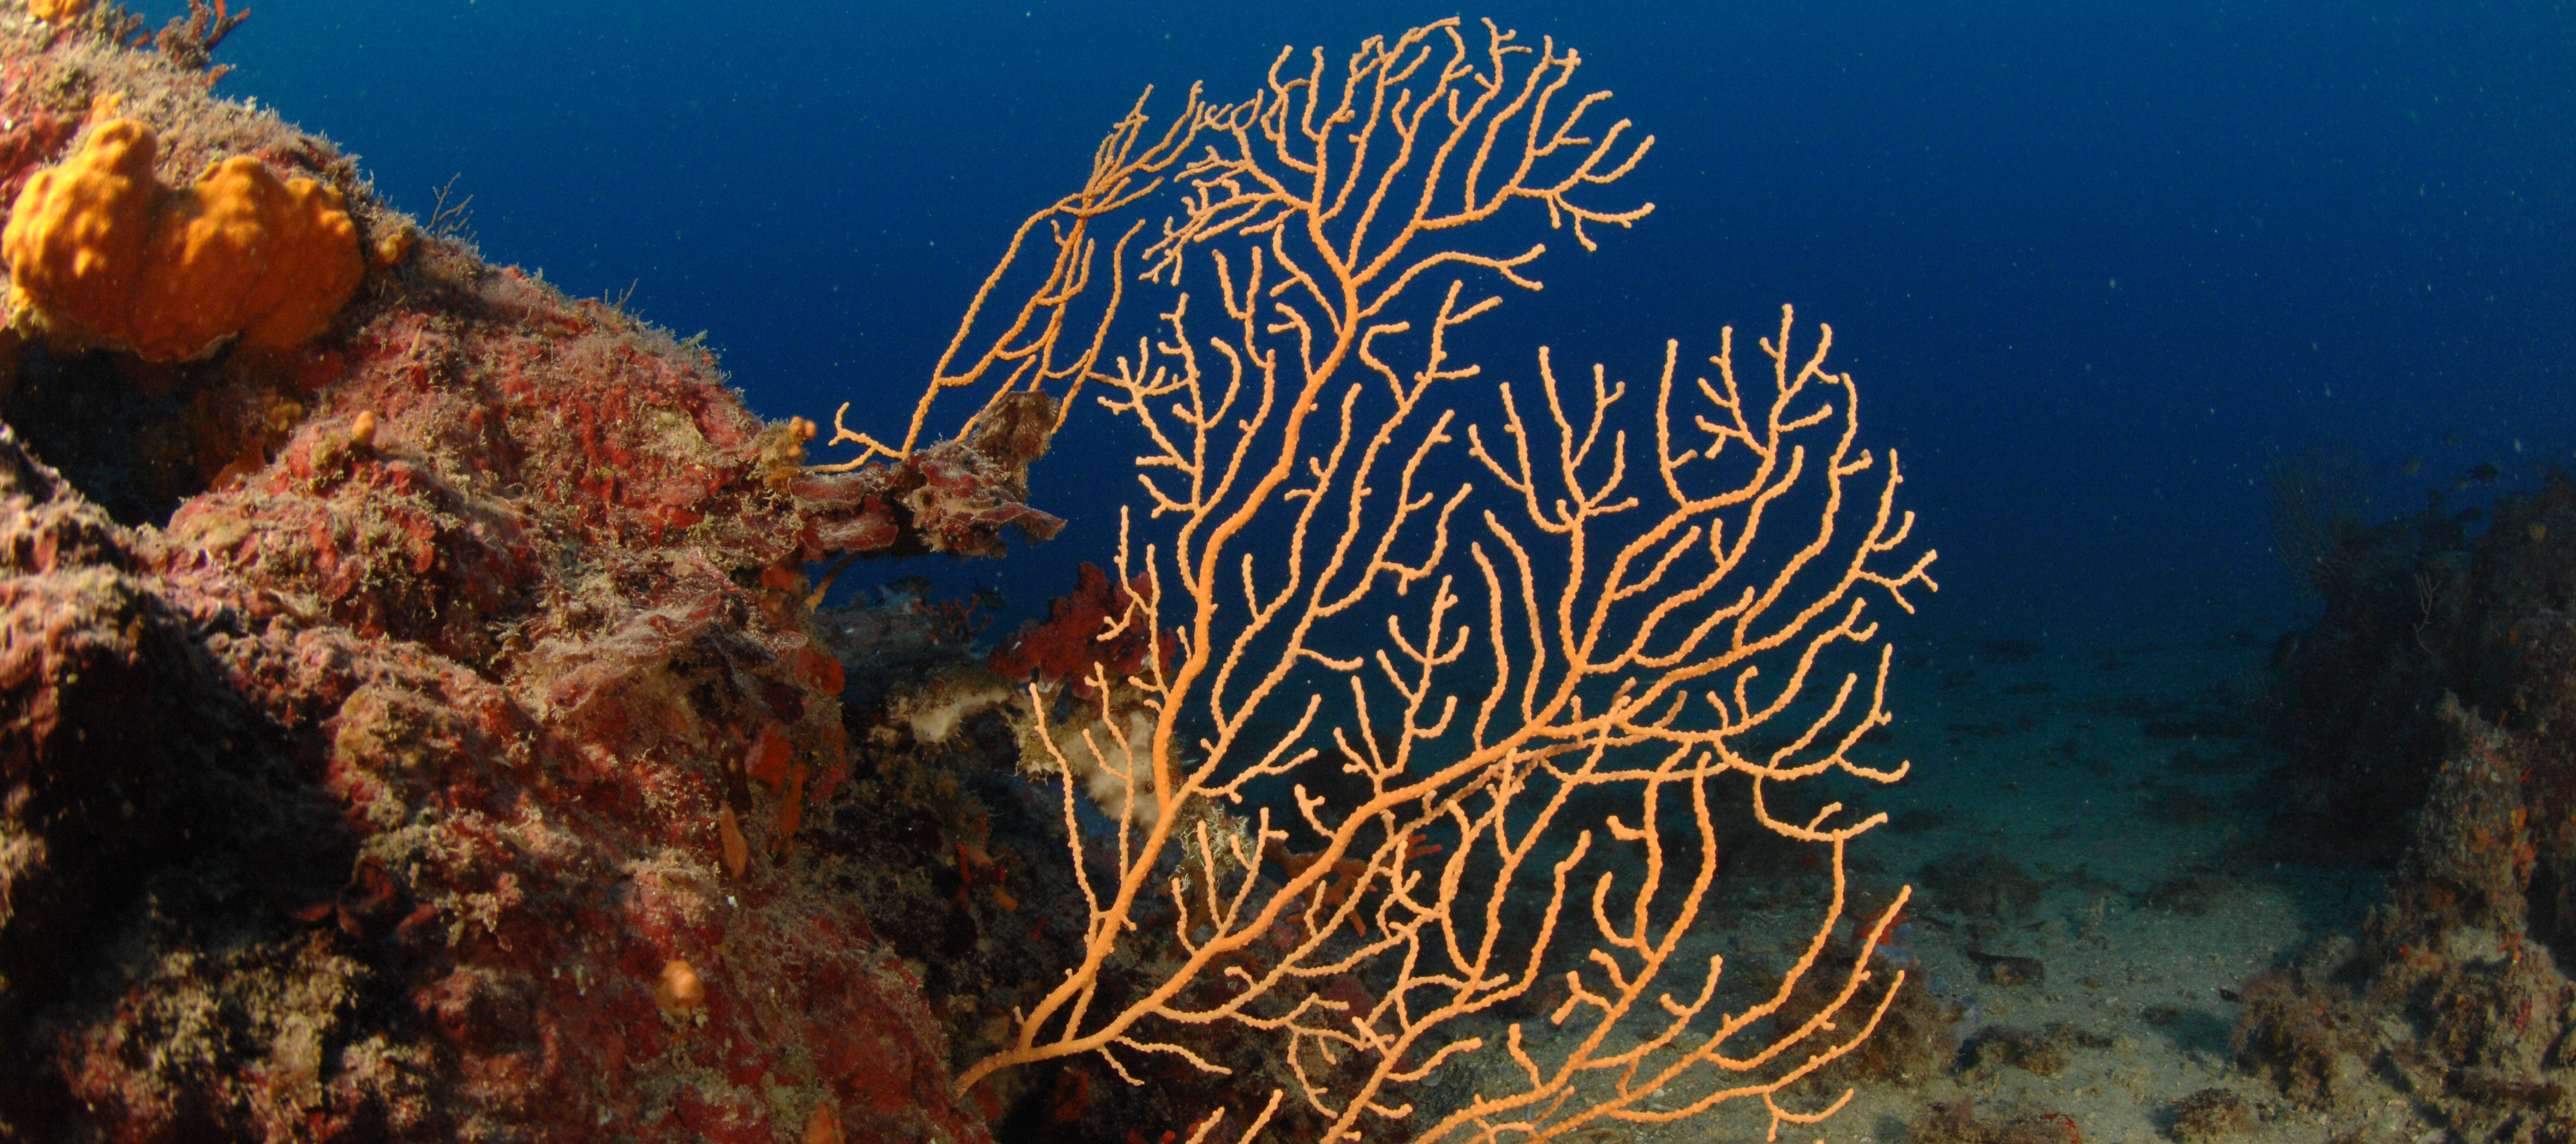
<point x="2432" y="714"/>
<point x="411" y="736"/>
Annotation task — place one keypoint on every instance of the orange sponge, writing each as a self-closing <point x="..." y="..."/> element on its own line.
<point x="100" y="246"/>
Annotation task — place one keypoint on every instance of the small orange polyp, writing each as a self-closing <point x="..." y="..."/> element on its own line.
<point x="681" y="992"/>
<point x="99" y="246"/>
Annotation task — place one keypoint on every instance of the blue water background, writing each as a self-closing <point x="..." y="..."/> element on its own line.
<point x="2091" y="263"/>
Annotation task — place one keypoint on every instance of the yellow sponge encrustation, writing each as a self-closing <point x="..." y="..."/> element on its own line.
<point x="99" y="245"/>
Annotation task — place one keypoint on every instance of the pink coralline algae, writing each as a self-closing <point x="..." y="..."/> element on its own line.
<point x="370" y="796"/>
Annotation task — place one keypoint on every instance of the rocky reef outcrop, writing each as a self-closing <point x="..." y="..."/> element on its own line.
<point x="422" y="731"/>
<point x="2431" y="722"/>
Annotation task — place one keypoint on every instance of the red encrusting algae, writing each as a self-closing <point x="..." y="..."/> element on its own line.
<point x="1066" y="647"/>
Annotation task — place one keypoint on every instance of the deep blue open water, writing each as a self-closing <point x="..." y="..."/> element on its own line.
<point x="2091" y="263"/>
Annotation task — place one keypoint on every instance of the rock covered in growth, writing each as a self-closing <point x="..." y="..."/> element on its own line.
<point x="1956" y="1122"/>
<point x="2211" y="1114"/>
<point x="459" y="686"/>
<point x="955" y="497"/>
<point x="1917" y="1037"/>
<point x="2461" y="656"/>
<point x="2413" y="610"/>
